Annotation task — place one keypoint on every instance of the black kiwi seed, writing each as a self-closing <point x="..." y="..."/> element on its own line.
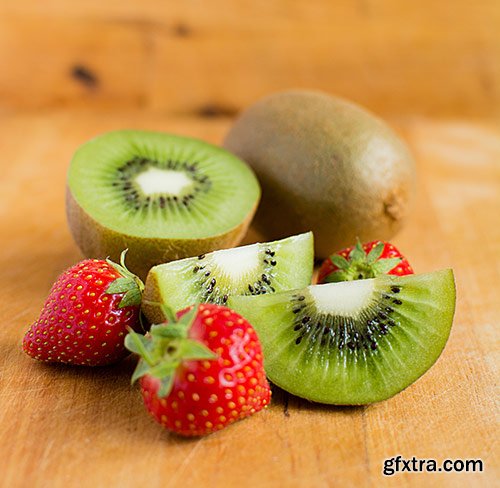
<point x="346" y="333"/>
<point x="397" y="301"/>
<point x="213" y="294"/>
<point x="395" y="289"/>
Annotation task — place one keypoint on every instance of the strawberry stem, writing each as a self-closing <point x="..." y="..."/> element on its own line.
<point x="163" y="349"/>
<point x="129" y="284"/>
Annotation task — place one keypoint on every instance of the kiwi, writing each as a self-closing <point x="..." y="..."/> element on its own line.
<point x="162" y="196"/>
<point x="325" y="165"/>
<point x="353" y="342"/>
<point x="256" y="269"/>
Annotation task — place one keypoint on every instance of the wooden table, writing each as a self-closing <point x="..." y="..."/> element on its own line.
<point x="63" y="426"/>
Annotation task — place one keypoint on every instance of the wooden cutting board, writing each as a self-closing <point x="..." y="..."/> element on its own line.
<point x="63" y="426"/>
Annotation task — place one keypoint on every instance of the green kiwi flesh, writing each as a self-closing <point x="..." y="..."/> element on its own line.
<point x="256" y="269"/>
<point x="353" y="342"/>
<point x="162" y="196"/>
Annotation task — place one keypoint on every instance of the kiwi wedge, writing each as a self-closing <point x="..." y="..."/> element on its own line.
<point x="256" y="269"/>
<point x="164" y="197"/>
<point x="353" y="342"/>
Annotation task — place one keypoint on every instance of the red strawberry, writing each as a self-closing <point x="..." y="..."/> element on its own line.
<point x="86" y="315"/>
<point x="201" y="372"/>
<point x="364" y="261"/>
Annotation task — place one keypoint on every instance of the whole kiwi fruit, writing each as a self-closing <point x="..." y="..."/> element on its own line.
<point x="326" y="165"/>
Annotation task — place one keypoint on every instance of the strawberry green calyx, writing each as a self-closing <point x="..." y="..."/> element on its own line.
<point x="129" y="284"/>
<point x="162" y="350"/>
<point x="360" y="264"/>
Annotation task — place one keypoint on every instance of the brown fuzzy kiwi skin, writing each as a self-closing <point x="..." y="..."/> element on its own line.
<point x="98" y="241"/>
<point x="326" y="165"/>
<point x="150" y="299"/>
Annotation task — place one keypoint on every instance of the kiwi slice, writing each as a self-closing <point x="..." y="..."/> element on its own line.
<point x="353" y="342"/>
<point x="256" y="269"/>
<point x="162" y="196"/>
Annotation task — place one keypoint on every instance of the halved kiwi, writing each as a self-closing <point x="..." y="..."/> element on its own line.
<point x="353" y="342"/>
<point x="256" y="269"/>
<point x="162" y="196"/>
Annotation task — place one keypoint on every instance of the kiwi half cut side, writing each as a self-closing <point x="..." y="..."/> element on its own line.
<point x="162" y="196"/>
<point x="353" y="342"/>
<point x="256" y="269"/>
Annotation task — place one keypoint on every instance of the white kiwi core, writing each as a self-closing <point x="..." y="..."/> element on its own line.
<point x="163" y="181"/>
<point x="346" y="298"/>
<point x="238" y="262"/>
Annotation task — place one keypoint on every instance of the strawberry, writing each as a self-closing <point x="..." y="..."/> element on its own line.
<point x="86" y="315"/>
<point x="200" y="371"/>
<point x="364" y="261"/>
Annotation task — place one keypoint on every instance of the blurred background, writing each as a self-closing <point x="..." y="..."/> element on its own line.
<point x="71" y="69"/>
<point x="212" y="58"/>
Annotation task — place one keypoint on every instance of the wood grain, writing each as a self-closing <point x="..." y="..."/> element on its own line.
<point x="63" y="426"/>
<point x="212" y="58"/>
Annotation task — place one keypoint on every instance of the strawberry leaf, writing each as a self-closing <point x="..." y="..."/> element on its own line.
<point x="169" y="313"/>
<point x="140" y="345"/>
<point x="163" y="369"/>
<point x="132" y="298"/>
<point x="383" y="266"/>
<point x="128" y="283"/>
<point x="337" y="276"/>
<point x="190" y="349"/>
<point x="357" y="253"/>
<point x="187" y="319"/>
<point x="375" y="253"/>
<point x="165" y="386"/>
<point x="170" y="331"/>
<point x="121" y="285"/>
<point x="141" y="370"/>
<point x="340" y="261"/>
